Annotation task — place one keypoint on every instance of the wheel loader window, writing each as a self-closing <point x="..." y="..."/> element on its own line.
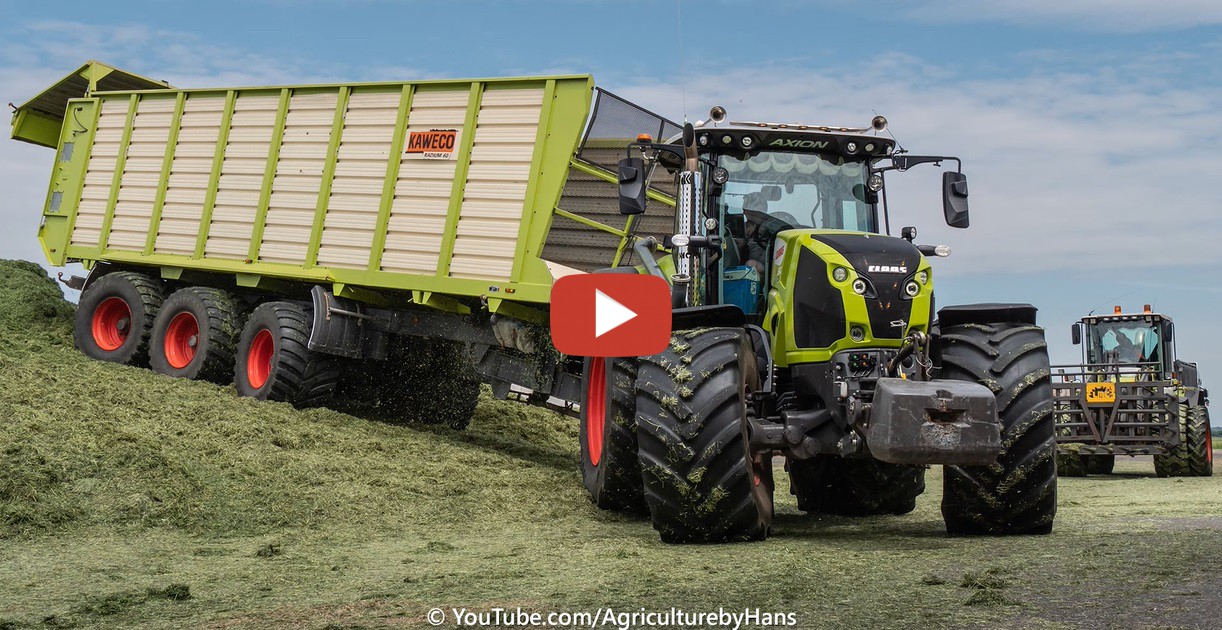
<point x="1124" y="342"/>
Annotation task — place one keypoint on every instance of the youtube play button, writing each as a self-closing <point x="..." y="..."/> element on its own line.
<point x="610" y="315"/>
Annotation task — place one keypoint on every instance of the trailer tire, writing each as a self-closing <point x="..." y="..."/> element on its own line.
<point x="195" y="335"/>
<point x="829" y="484"/>
<point x="1018" y="493"/>
<point x="274" y="361"/>
<point x="702" y="483"/>
<point x="610" y="466"/>
<point x="114" y="319"/>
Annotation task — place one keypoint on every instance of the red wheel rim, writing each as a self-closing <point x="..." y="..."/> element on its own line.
<point x="112" y="321"/>
<point x="181" y="340"/>
<point x="596" y="408"/>
<point x="259" y="359"/>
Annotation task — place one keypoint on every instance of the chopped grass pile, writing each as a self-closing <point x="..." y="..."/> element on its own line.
<point x="128" y="499"/>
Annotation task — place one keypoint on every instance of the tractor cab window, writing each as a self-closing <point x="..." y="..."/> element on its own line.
<point x="1125" y="342"/>
<point x="773" y="191"/>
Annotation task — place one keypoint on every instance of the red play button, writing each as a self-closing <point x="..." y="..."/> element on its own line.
<point x="610" y="315"/>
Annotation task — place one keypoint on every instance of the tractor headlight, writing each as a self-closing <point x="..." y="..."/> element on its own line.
<point x="875" y="182"/>
<point x="912" y="288"/>
<point x="859" y="286"/>
<point x="840" y="274"/>
<point x="923" y="277"/>
<point x="857" y="333"/>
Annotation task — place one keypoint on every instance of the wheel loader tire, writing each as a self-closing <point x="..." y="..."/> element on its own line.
<point x="829" y="484"/>
<point x="1200" y="442"/>
<point x="114" y="319"/>
<point x="610" y="466"/>
<point x="1178" y="460"/>
<point x="195" y="335"/>
<point x="274" y="362"/>
<point x="1071" y="465"/>
<point x="1018" y="493"/>
<point x="1100" y="464"/>
<point x="702" y="483"/>
<point x="425" y="381"/>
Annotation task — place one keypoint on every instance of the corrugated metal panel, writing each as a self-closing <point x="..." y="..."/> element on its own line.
<point x="422" y="193"/>
<point x="100" y="173"/>
<point x="493" y="199"/>
<point x="188" y="183"/>
<point x="294" y="198"/>
<point x="360" y="171"/>
<point x="141" y="173"/>
<point x="241" y="180"/>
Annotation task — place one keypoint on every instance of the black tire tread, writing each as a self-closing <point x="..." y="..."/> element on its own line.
<point x="151" y="295"/>
<point x="615" y="484"/>
<point x="1016" y="494"/>
<point x="299" y="376"/>
<point x="699" y="481"/>
<point x="225" y="318"/>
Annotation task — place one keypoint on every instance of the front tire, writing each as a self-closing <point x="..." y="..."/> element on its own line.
<point x="702" y="483"/>
<point x="829" y="484"/>
<point x="114" y="319"/>
<point x="195" y="335"/>
<point x="274" y="361"/>
<point x="610" y="466"/>
<point x="1018" y="493"/>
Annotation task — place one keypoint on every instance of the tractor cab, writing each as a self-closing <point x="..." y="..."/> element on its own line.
<point x="1127" y="343"/>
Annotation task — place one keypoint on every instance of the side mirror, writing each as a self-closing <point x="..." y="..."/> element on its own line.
<point x="632" y="189"/>
<point x="954" y="199"/>
<point x="1076" y="333"/>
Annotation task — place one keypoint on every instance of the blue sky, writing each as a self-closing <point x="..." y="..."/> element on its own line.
<point x="1088" y="128"/>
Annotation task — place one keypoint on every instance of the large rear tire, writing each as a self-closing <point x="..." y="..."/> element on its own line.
<point x="855" y="487"/>
<point x="610" y="466"/>
<point x="195" y="335"/>
<point x="1018" y="493"/>
<point x="702" y="483"/>
<point x="114" y="319"/>
<point x="274" y="362"/>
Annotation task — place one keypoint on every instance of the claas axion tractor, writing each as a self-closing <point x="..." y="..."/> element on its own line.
<point x="389" y="246"/>
<point x="1131" y="395"/>
<point x="803" y="331"/>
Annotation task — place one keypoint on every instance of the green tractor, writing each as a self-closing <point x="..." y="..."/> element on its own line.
<point x="1131" y="395"/>
<point x="802" y="330"/>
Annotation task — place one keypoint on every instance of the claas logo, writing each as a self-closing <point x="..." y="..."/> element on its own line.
<point x="434" y="141"/>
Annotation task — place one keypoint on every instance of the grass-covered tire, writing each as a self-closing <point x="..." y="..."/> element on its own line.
<point x="1017" y="494"/>
<point x="1100" y="464"/>
<point x="828" y="484"/>
<point x="1178" y="460"/>
<point x="114" y="318"/>
<point x="195" y="335"/>
<point x="274" y="361"/>
<point x="610" y="467"/>
<point x="1071" y="464"/>
<point x="702" y="483"/>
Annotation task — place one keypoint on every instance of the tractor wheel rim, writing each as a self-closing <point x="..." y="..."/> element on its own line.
<point x="259" y="359"/>
<point x="596" y="401"/>
<point x="181" y="340"/>
<point x="111" y="323"/>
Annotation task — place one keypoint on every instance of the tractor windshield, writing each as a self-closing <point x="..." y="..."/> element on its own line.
<point x="797" y="189"/>
<point x="1124" y="342"/>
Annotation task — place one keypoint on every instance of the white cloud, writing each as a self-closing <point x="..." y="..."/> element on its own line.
<point x="1097" y="15"/>
<point x="1083" y="170"/>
